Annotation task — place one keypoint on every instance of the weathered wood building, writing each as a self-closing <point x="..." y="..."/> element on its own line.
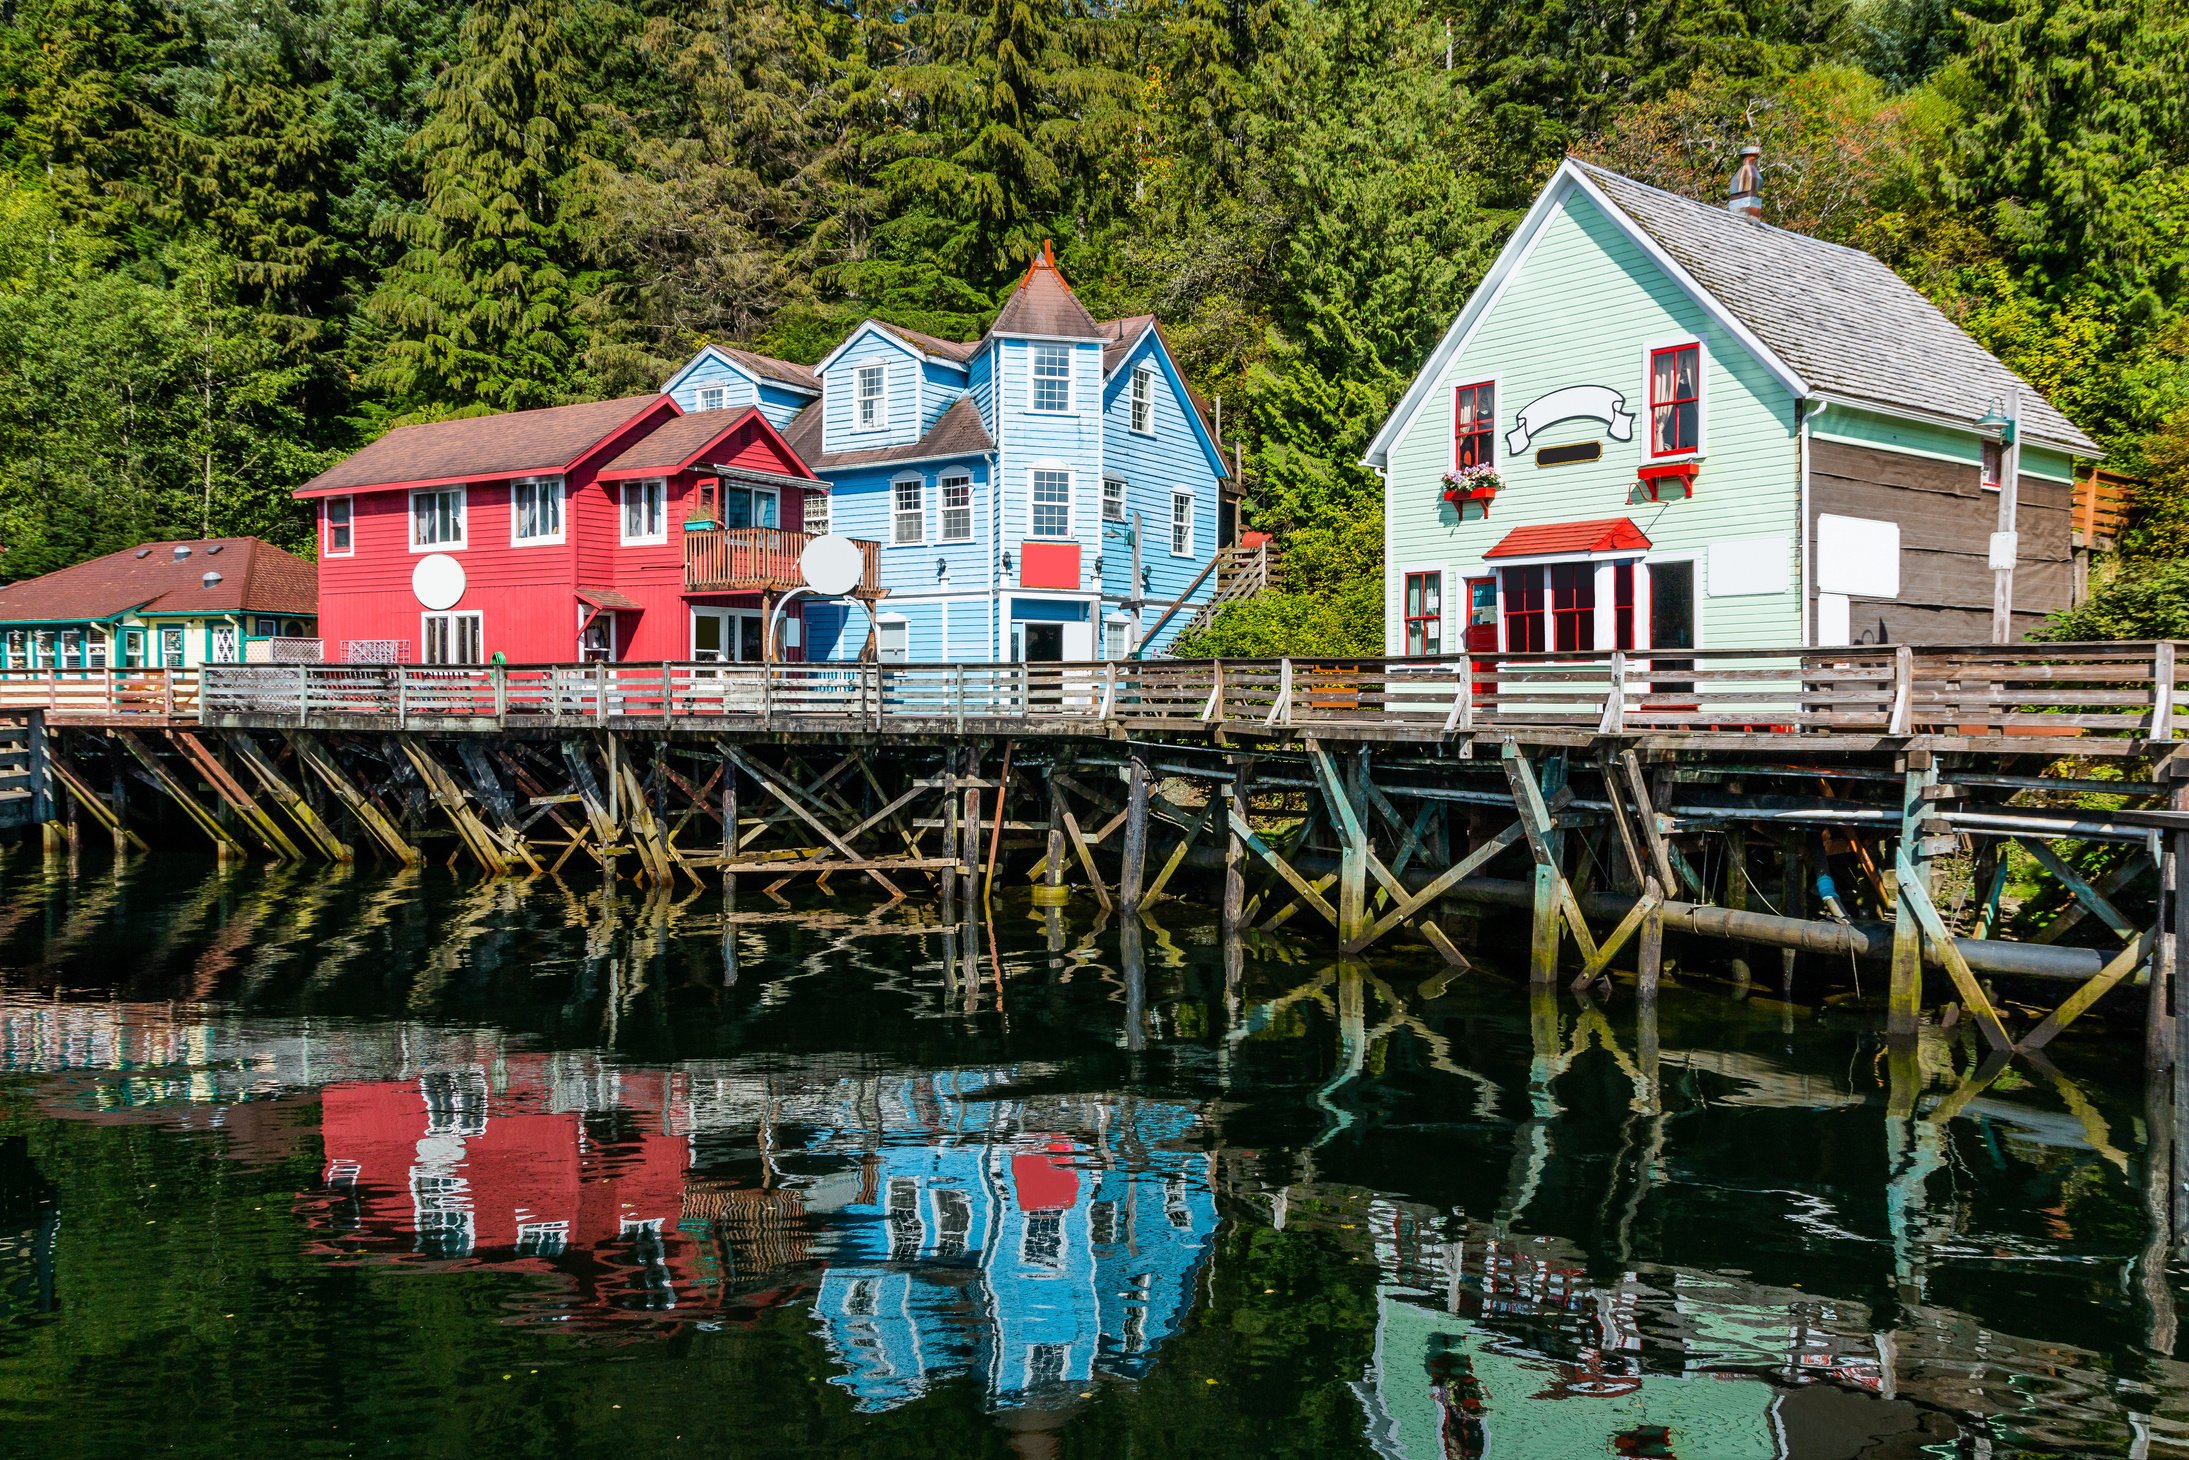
<point x="1660" y="424"/>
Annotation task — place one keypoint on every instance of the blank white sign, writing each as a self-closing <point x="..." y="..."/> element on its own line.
<point x="1858" y="556"/>
<point x="1753" y="565"/>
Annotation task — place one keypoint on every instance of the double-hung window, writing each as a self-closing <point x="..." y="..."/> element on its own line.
<point x="1675" y="400"/>
<point x="1424" y="613"/>
<point x="711" y="398"/>
<point x="1052" y="377"/>
<point x="1474" y="426"/>
<point x="450" y="638"/>
<point x="1181" y="522"/>
<point x="437" y="518"/>
<point x="816" y="512"/>
<point x="1052" y="504"/>
<point x="535" y="511"/>
<point x="341" y="526"/>
<point x="1113" y="499"/>
<point x="1143" y="400"/>
<point x="907" y="512"/>
<point x="957" y="508"/>
<point x="870" y="401"/>
<point x="645" y="511"/>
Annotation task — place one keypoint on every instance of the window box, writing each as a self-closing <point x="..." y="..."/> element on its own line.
<point x="1667" y="481"/>
<point x="1472" y="484"/>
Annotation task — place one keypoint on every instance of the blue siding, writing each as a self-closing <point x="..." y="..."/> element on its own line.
<point x="708" y="370"/>
<point x="940" y="387"/>
<point x="1036" y="439"/>
<point x="902" y="383"/>
<point x="1152" y="466"/>
<point x="981" y="382"/>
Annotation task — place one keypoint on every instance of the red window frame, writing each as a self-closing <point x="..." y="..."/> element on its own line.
<point x="1551" y="607"/>
<point x="1423" y="606"/>
<point x="1474" y="425"/>
<point x="1683" y="413"/>
<point x="1521" y="603"/>
<point x="1573" y="607"/>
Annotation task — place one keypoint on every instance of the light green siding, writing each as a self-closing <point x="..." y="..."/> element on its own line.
<point x="1583" y="308"/>
<point x="1841" y="422"/>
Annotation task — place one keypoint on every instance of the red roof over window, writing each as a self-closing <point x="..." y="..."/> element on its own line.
<point x="1552" y="539"/>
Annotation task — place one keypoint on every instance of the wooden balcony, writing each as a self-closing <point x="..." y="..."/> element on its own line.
<point x="760" y="560"/>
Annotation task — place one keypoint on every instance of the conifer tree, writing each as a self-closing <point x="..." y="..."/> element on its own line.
<point x="478" y="308"/>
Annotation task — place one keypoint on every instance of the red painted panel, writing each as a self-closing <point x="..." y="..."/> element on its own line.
<point x="1048" y="565"/>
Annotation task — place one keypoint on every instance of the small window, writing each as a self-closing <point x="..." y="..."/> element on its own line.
<point x="1181" y="523"/>
<point x="816" y="511"/>
<point x="171" y="648"/>
<point x="1143" y="401"/>
<point x="1113" y="499"/>
<point x="535" y="510"/>
<point x="893" y="640"/>
<point x="265" y="628"/>
<point x="870" y="402"/>
<point x="339" y="527"/>
<point x="1052" y="504"/>
<point x="907" y="512"/>
<point x="437" y="518"/>
<point x="19" y="649"/>
<point x="645" y="511"/>
<point x="1675" y="400"/>
<point x="1424" y="613"/>
<point x="711" y="398"/>
<point x="957" y="508"/>
<point x="1995" y="465"/>
<point x="1052" y="377"/>
<point x="1117" y="638"/>
<point x="95" y="650"/>
<point x="1474" y="426"/>
<point x="767" y="507"/>
<point x="450" y="638"/>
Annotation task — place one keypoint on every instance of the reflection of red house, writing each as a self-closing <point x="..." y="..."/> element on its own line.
<point x="441" y="1169"/>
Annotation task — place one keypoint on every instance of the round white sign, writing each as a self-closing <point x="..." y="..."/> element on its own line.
<point x="437" y="582"/>
<point x="833" y="565"/>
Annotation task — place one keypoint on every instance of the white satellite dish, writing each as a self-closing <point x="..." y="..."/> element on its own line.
<point x="832" y="565"/>
<point x="437" y="582"/>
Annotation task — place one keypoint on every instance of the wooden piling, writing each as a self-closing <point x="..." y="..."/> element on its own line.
<point x="1132" y="875"/>
<point x="286" y="796"/>
<point x="1904" y="992"/>
<point x="320" y="760"/>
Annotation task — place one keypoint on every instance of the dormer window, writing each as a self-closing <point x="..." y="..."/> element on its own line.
<point x="1052" y="378"/>
<point x="1143" y="401"/>
<point x="1675" y="400"/>
<point x="711" y="398"/>
<point x="870" y="402"/>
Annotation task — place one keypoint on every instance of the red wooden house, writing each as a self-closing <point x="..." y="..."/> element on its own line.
<point x="620" y="529"/>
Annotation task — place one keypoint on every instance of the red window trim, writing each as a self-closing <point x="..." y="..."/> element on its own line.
<point x="1409" y="618"/>
<point x="1484" y="430"/>
<point x="1695" y="400"/>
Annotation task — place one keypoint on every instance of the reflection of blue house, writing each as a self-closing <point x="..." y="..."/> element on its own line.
<point x="1003" y="478"/>
<point x="1038" y="1258"/>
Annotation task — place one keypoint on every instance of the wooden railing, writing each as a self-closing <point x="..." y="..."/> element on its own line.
<point x="149" y="696"/>
<point x="749" y="559"/>
<point x="2105" y="698"/>
<point x="2101" y="506"/>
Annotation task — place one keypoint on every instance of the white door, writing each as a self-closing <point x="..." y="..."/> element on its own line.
<point x="727" y="636"/>
<point x="1079" y="642"/>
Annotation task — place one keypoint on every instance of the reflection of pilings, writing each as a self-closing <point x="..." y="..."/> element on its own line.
<point x="1132" y="954"/>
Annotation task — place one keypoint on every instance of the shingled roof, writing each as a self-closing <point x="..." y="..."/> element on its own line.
<point x="1043" y="304"/>
<point x="515" y="443"/>
<point x="788" y="372"/>
<point x="958" y="432"/>
<point x="1837" y="316"/>
<point x="255" y="577"/>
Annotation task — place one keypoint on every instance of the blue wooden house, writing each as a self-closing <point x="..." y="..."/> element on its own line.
<point x="1050" y="491"/>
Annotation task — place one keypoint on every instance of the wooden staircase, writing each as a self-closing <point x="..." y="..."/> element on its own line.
<point x="1241" y="572"/>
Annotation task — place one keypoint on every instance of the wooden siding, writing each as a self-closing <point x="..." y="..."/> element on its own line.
<point x="1946" y="520"/>
<point x="1151" y="467"/>
<point x="709" y="370"/>
<point x="1583" y="309"/>
<point x="901" y="382"/>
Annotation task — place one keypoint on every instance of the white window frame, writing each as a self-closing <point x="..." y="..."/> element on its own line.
<point x="1645" y="418"/>
<point x="327" y="549"/>
<point x="1185" y="495"/>
<point x="712" y="398"/>
<point x="558" y="495"/>
<point x="425" y="634"/>
<point x="1033" y="508"/>
<point x="657" y="486"/>
<point x="958" y="480"/>
<point x="1117" y="637"/>
<point x="1118" y="502"/>
<point x="898" y="515"/>
<point x="1035" y="379"/>
<point x="811" y="497"/>
<point x="859" y="398"/>
<point x="463" y="520"/>
<point x="1142" y="400"/>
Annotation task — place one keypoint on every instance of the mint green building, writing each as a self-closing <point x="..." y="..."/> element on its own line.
<point x="1660" y="424"/>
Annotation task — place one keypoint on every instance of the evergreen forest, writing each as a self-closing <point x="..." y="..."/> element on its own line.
<point x="238" y="238"/>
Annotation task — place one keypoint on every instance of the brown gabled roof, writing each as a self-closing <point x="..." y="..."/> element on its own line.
<point x="1043" y="304"/>
<point x="255" y="577"/>
<point x="515" y="443"/>
<point x="958" y="433"/>
<point x="767" y="366"/>
<point x="676" y="443"/>
<point x="1119" y="336"/>
<point x="959" y="351"/>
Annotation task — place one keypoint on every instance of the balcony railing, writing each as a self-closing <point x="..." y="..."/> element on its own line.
<point x="759" y="559"/>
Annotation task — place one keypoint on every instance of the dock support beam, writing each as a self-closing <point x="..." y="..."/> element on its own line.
<point x="1132" y="877"/>
<point x="1904" y="994"/>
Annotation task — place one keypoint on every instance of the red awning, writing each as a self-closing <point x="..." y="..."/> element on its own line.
<point x="607" y="598"/>
<point x="1561" y="539"/>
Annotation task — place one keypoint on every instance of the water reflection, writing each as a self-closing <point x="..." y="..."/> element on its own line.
<point x="872" y="1175"/>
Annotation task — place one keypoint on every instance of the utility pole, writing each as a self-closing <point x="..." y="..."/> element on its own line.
<point x="2005" y="543"/>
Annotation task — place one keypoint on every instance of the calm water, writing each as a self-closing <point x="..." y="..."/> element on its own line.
<point x="298" y="1164"/>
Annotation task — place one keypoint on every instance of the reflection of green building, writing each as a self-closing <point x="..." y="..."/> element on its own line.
<point x="1432" y="1367"/>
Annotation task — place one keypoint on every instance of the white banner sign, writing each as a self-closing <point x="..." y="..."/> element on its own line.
<point x="1573" y="403"/>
